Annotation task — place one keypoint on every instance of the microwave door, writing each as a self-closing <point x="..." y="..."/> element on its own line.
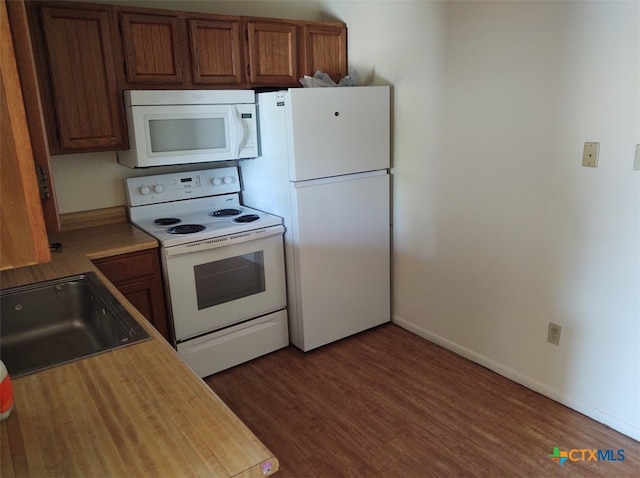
<point x="167" y="135"/>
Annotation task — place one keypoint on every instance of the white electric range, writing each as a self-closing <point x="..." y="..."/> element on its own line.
<point x="223" y="265"/>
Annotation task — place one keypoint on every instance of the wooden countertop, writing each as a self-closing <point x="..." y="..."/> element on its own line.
<point x="106" y="240"/>
<point x="134" y="411"/>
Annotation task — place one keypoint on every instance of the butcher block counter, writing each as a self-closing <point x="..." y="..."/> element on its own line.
<point x="133" y="411"/>
<point x="101" y="233"/>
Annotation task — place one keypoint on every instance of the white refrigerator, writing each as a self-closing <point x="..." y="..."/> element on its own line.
<point x="324" y="168"/>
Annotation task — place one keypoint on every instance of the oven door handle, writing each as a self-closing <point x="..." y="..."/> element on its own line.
<point x="223" y="241"/>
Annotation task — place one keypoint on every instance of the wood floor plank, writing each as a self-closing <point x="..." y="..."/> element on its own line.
<point x="388" y="403"/>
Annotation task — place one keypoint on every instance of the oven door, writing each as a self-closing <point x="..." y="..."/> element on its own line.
<point x="223" y="281"/>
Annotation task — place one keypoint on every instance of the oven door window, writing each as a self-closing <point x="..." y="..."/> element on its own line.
<point x="229" y="279"/>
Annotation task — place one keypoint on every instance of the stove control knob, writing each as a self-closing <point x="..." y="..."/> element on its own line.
<point x="158" y="188"/>
<point x="216" y="181"/>
<point x="229" y="180"/>
<point x="145" y="190"/>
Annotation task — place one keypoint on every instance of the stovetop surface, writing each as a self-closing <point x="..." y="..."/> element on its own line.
<point x="198" y="212"/>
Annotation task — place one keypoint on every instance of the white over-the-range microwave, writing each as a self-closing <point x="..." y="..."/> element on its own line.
<point x="169" y="127"/>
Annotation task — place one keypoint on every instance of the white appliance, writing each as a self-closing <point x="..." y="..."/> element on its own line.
<point x="323" y="167"/>
<point x="189" y="126"/>
<point x="223" y="266"/>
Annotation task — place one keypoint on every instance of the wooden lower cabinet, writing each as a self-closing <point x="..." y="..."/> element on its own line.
<point x="138" y="276"/>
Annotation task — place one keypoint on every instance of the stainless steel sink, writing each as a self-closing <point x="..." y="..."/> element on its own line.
<point x="54" y="322"/>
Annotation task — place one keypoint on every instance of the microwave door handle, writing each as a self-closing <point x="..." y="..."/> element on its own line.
<point x="238" y="133"/>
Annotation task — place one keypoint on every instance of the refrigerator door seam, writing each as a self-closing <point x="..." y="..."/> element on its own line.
<point x="340" y="178"/>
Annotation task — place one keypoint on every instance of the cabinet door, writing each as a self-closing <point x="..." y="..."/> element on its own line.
<point x="151" y="48"/>
<point x="137" y="275"/>
<point x="23" y="238"/>
<point x="148" y="297"/>
<point x="325" y="49"/>
<point x="272" y="53"/>
<point x="85" y="95"/>
<point x="18" y="20"/>
<point x="215" y="52"/>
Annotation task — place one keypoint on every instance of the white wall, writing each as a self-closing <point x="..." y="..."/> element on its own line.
<point x="497" y="228"/>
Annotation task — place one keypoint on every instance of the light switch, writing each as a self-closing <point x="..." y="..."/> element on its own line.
<point x="636" y="162"/>
<point x="590" y="155"/>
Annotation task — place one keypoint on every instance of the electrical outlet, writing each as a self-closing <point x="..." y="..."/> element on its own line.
<point x="590" y="155"/>
<point x="553" y="334"/>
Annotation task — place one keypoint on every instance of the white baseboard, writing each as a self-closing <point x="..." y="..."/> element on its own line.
<point x="514" y="375"/>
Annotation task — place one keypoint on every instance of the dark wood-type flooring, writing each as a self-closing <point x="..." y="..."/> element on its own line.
<point x="386" y="403"/>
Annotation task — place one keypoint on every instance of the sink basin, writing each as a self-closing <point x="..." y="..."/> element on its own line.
<point x="54" y="322"/>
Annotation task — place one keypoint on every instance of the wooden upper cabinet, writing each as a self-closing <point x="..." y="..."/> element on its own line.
<point x="272" y="53"/>
<point x="86" y="54"/>
<point x="325" y="49"/>
<point x="23" y="237"/>
<point x="88" y="113"/>
<point x="20" y="32"/>
<point x="216" y="57"/>
<point x="151" y="45"/>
